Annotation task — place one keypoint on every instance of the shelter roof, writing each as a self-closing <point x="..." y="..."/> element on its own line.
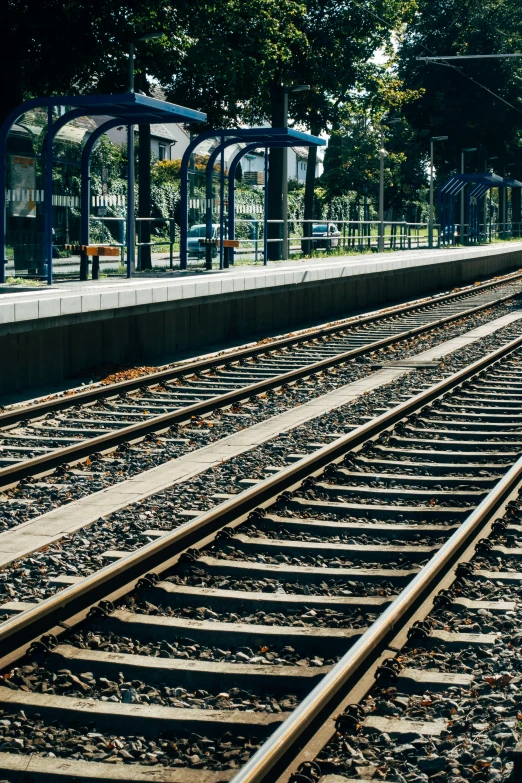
<point x="129" y="107"/>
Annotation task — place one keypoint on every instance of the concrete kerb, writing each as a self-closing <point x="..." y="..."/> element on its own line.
<point x="222" y="307"/>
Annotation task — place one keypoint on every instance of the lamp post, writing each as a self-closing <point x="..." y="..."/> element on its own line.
<point x="383" y="153"/>
<point x="430" y="225"/>
<point x="146" y="37"/>
<point x="286" y="91"/>
<point x="131" y="225"/>
<point x="486" y="210"/>
<point x="462" y="203"/>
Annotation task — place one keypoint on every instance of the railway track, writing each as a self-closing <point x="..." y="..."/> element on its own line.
<point x="38" y="437"/>
<point x="217" y="650"/>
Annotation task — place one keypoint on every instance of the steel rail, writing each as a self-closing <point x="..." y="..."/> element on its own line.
<point x="114" y="438"/>
<point x="123" y="573"/>
<point x="257" y="768"/>
<point x="234" y="355"/>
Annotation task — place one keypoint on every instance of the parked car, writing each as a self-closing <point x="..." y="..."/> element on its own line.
<point x="323" y="235"/>
<point x="197" y="232"/>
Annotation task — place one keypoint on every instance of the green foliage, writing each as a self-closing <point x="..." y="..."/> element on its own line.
<point x="451" y="103"/>
<point x="74" y="46"/>
<point x="230" y="58"/>
<point x="352" y="161"/>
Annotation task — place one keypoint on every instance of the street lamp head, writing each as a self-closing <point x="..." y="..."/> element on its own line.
<point x="493" y="157"/>
<point x="150" y="36"/>
<point x="298" y="88"/>
<point x="439" y="138"/>
<point x="469" y="149"/>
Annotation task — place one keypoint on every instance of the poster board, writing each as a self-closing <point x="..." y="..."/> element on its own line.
<point x="23" y="184"/>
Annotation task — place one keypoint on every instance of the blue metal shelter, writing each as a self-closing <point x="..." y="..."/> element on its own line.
<point x="258" y="137"/>
<point x="126" y="109"/>
<point x="453" y="186"/>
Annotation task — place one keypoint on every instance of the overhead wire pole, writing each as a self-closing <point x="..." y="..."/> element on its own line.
<point x="430" y="225"/>
<point x="462" y="229"/>
<point x="382" y="153"/>
<point x="131" y="217"/>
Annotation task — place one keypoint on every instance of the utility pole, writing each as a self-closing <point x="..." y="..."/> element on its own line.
<point x="430" y="225"/>
<point x="382" y="153"/>
<point x="144" y="162"/>
<point x="286" y="91"/>
<point x="462" y="231"/>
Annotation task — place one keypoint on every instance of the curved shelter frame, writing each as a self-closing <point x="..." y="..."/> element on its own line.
<point x="124" y="109"/>
<point x="260" y="137"/>
<point x="479" y="185"/>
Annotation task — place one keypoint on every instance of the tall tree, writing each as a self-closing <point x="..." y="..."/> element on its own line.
<point x="243" y="52"/>
<point x="52" y="47"/>
<point x="352" y="159"/>
<point x="476" y="103"/>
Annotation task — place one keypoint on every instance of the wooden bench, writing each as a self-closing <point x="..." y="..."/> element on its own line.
<point x="94" y="250"/>
<point x="216" y="242"/>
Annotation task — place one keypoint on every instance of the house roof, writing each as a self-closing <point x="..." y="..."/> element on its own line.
<point x="162" y="132"/>
<point x="302" y="152"/>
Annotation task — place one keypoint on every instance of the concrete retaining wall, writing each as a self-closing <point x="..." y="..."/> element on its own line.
<point x="39" y="351"/>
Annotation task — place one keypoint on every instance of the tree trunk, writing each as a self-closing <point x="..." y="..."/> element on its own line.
<point x="309" y="191"/>
<point x="144" y="195"/>
<point x="275" y="175"/>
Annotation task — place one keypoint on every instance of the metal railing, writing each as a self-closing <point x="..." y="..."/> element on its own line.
<point x="350" y="236"/>
<point x="157" y="241"/>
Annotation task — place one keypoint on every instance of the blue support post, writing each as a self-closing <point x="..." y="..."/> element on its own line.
<point x="130" y="201"/>
<point x="440" y="216"/>
<point x="183" y="196"/>
<point x="232" y="195"/>
<point x="48" y="196"/>
<point x="232" y="188"/>
<point x="265" y="220"/>
<point x="3" y="206"/>
<point x="222" y="207"/>
<point x="85" y="192"/>
<point x="52" y="131"/>
<point x="183" y="217"/>
<point x="209" y="192"/>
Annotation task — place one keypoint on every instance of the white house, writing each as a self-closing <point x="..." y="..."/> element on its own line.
<point x="170" y="140"/>
<point x="297" y="163"/>
<point x="167" y="142"/>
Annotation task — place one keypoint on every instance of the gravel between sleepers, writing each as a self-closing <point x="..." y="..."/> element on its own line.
<point x="80" y="554"/>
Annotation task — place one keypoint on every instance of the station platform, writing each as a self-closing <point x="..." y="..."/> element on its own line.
<point x="49" y="334"/>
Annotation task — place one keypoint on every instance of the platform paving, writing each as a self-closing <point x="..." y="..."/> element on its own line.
<point x="75" y="298"/>
<point x="47" y="528"/>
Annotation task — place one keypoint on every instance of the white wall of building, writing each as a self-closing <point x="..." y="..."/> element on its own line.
<point x="297" y="163"/>
<point x="169" y="142"/>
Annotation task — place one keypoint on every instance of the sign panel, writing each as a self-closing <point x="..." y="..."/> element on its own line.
<point x="23" y="184"/>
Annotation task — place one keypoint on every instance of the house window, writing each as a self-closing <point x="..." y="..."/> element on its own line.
<point x="162" y="152"/>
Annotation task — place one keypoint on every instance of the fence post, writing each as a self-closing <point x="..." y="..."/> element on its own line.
<point x="172" y="239"/>
<point x="265" y="223"/>
<point x="138" y="231"/>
